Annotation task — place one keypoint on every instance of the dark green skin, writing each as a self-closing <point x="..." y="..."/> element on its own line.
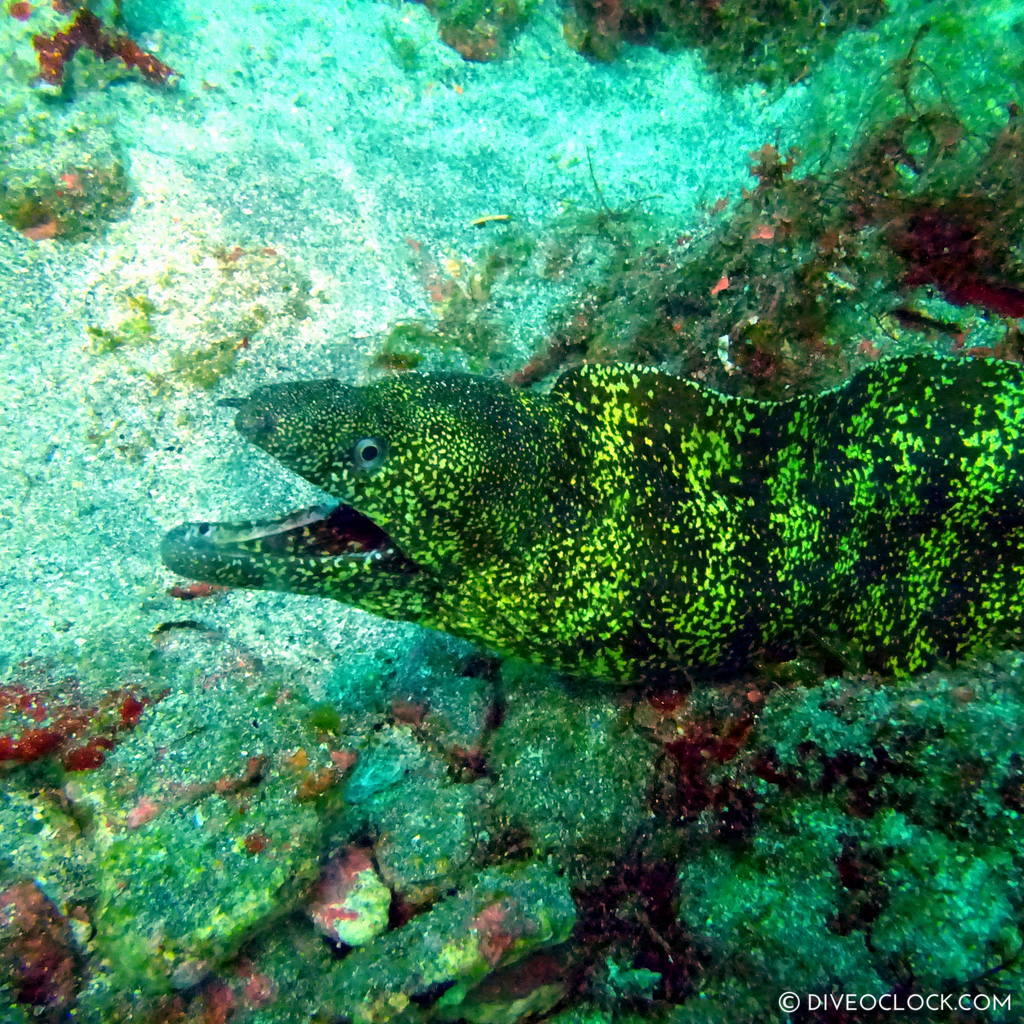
<point x="631" y="525"/>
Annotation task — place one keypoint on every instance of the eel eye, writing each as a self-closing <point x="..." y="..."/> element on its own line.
<point x="368" y="453"/>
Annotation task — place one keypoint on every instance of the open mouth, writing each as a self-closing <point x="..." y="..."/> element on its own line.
<point x="324" y="532"/>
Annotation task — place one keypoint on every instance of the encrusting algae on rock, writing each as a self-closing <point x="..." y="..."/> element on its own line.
<point x="633" y="525"/>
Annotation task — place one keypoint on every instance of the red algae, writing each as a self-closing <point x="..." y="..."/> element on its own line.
<point x="50" y="718"/>
<point x="87" y="31"/>
<point x="38" y="964"/>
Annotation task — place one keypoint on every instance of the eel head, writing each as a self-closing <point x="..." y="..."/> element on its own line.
<point x="433" y="476"/>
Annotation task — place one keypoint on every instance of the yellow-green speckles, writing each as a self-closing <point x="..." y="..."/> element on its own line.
<point x="633" y="525"/>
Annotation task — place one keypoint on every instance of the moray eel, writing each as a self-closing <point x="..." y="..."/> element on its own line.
<point x="630" y="525"/>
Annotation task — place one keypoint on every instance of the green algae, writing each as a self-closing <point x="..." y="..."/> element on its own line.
<point x="295" y="961"/>
<point x="786" y="290"/>
<point x="64" y="172"/>
<point x="81" y="200"/>
<point x="905" y="190"/>
<point x="765" y="912"/>
<point x="134" y="329"/>
<point x="205" y="365"/>
<point x="228" y="296"/>
<point x="404" y="344"/>
<point x="552" y="745"/>
<point x="42" y="841"/>
<point x="952" y="907"/>
<point x="325" y="718"/>
<point x="401" y="790"/>
<point x="885" y="845"/>
<point x="429" y="834"/>
<point x="775" y="42"/>
<point x="883" y="842"/>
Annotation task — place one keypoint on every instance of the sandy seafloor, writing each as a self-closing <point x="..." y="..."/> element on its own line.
<point x="294" y="128"/>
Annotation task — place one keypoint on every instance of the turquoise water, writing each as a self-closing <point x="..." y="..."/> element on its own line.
<point x="249" y="806"/>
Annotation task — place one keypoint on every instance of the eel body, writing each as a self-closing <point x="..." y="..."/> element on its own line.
<point x="632" y="525"/>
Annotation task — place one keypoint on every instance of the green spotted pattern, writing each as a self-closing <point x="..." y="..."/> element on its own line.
<point x="633" y="525"/>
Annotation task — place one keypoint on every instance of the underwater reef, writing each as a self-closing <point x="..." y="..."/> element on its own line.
<point x="404" y="827"/>
<point x="770" y="41"/>
<point x="455" y="839"/>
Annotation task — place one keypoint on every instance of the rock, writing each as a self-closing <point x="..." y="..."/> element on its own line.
<point x="350" y="903"/>
<point x="502" y="917"/>
<point x="38" y="961"/>
<point x="202" y="828"/>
